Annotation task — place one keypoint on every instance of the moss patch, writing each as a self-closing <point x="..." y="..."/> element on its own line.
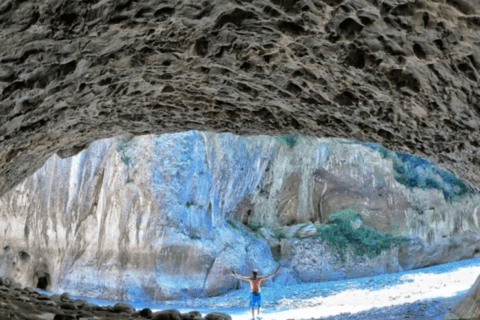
<point x="288" y="140"/>
<point x="341" y="236"/>
<point x="279" y="233"/>
<point x="348" y="214"/>
<point x="234" y="225"/>
<point x="254" y="227"/>
<point x="413" y="171"/>
<point x="126" y="148"/>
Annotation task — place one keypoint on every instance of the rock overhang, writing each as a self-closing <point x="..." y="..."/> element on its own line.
<point x="402" y="74"/>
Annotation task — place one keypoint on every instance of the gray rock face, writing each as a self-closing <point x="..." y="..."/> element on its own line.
<point x="163" y="216"/>
<point x="469" y="306"/>
<point x="404" y="74"/>
<point x="313" y="260"/>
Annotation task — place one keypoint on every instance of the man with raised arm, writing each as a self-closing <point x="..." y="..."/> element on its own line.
<point x="255" y="283"/>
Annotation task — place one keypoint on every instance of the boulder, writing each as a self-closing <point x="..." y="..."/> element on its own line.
<point x="123" y="307"/>
<point x="8" y="281"/>
<point x="30" y="290"/>
<point x="84" y="314"/>
<point x="169" y="314"/>
<point x="43" y="297"/>
<point x="308" y="231"/>
<point x="65" y="296"/>
<point x="67" y="305"/>
<point x="218" y="316"/>
<point x="292" y="230"/>
<point x="80" y="304"/>
<point x="17" y="287"/>
<point x="5" y="289"/>
<point x="191" y="315"/>
<point x="49" y="303"/>
<point x="87" y="307"/>
<point x="23" y="299"/>
<point x="145" y="313"/>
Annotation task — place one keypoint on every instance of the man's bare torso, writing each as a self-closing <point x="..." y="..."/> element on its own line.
<point x="255" y="284"/>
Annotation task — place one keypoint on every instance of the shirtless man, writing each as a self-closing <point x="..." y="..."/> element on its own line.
<point x="255" y="283"/>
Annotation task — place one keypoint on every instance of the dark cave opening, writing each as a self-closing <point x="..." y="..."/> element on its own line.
<point x="43" y="281"/>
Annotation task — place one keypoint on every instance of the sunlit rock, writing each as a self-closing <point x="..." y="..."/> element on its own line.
<point x="469" y="306"/>
<point x="168" y="216"/>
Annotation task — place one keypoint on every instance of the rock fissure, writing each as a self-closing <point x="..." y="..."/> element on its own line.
<point x="211" y="266"/>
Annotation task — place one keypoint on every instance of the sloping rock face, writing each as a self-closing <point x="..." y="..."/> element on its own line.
<point x="469" y="307"/>
<point x="167" y="216"/>
<point x="98" y="224"/>
<point x="400" y="73"/>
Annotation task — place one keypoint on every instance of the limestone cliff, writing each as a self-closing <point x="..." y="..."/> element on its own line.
<point x="163" y="216"/>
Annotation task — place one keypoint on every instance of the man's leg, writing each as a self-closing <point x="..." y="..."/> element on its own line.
<point x="258" y="311"/>
<point x="253" y="312"/>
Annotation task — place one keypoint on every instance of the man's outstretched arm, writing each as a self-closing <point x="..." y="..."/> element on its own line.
<point x="272" y="275"/>
<point x="239" y="277"/>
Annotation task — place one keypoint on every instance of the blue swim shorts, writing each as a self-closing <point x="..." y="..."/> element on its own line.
<point x="255" y="300"/>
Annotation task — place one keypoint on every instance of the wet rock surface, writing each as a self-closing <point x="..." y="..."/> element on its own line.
<point x="403" y="74"/>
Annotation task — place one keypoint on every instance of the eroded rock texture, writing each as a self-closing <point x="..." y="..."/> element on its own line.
<point x="162" y="217"/>
<point x="400" y="73"/>
<point x="469" y="306"/>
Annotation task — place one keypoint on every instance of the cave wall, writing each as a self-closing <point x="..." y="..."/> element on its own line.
<point x="166" y="216"/>
<point x="403" y="74"/>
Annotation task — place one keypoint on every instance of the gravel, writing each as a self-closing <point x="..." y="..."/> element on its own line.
<point x="310" y="300"/>
<point x="427" y="309"/>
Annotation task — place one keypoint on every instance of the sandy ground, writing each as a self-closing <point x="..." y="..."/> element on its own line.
<point x="419" y="294"/>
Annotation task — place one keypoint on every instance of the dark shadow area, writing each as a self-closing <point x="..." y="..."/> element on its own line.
<point x="43" y="281"/>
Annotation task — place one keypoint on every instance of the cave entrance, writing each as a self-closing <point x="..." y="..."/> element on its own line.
<point x="43" y="281"/>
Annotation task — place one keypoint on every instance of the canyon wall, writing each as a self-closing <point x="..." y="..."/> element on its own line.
<point x="169" y="216"/>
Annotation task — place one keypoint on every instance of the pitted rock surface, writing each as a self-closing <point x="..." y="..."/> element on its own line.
<point x="400" y="73"/>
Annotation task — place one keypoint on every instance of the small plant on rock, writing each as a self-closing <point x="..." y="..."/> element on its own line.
<point x="279" y="233"/>
<point x="126" y="147"/>
<point x="415" y="172"/>
<point x="341" y="236"/>
<point x="288" y="140"/>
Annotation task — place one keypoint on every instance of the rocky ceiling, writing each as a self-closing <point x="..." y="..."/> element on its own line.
<point x="404" y="74"/>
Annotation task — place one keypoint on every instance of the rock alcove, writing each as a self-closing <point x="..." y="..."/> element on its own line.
<point x="402" y="74"/>
<point x="43" y="280"/>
